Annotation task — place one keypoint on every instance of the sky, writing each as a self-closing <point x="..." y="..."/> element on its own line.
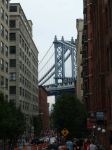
<point x="50" y="18"/>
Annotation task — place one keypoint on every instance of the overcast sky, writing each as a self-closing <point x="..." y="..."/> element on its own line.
<point x="50" y="18"/>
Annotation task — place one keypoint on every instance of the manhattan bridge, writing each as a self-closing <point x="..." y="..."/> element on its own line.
<point x="57" y="69"/>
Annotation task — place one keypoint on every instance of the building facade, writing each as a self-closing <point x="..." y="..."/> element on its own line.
<point x="97" y="56"/>
<point x="43" y="108"/>
<point x="87" y="48"/>
<point x="79" y="81"/>
<point x="23" y="63"/>
<point x="4" y="46"/>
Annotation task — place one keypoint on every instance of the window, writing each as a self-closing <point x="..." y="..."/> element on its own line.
<point x="6" y="2"/>
<point x="20" y="51"/>
<point x="6" y="35"/>
<point x="20" y="64"/>
<point x="2" y="13"/>
<point x="6" y="83"/>
<point x="13" y="8"/>
<point x="12" y="36"/>
<point x="20" y="91"/>
<point x="12" y="89"/>
<point x="23" y="92"/>
<point x="2" y="47"/>
<point x="12" y="62"/>
<point x="2" y="81"/>
<point x="6" y="50"/>
<point x="2" y="64"/>
<point x="13" y="76"/>
<point x="12" y="49"/>
<point x="20" y="39"/>
<point x="6" y="66"/>
<point x="2" y="30"/>
<point x="6" y="18"/>
<point x="12" y="23"/>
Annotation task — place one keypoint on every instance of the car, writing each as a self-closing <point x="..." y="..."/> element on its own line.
<point x="52" y="140"/>
<point x="36" y="141"/>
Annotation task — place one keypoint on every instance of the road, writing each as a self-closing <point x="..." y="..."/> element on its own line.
<point x="27" y="147"/>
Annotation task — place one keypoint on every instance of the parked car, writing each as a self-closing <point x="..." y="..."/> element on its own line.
<point x="52" y="140"/>
<point x="36" y="141"/>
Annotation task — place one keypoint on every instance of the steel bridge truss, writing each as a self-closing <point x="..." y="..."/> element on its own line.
<point x="63" y="50"/>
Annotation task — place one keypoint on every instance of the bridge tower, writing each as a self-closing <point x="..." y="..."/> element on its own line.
<point x="61" y="48"/>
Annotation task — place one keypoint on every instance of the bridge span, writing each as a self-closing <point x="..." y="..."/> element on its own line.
<point x="57" y="90"/>
<point x="56" y="69"/>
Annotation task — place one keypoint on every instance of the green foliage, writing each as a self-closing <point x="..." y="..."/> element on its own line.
<point x="70" y="113"/>
<point x="12" y="122"/>
<point x="37" y="123"/>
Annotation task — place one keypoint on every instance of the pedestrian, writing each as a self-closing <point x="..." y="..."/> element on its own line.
<point x="15" y="147"/>
<point x="79" y="144"/>
<point x="69" y="144"/>
<point x="86" y="144"/>
<point x="75" y="146"/>
<point x="92" y="146"/>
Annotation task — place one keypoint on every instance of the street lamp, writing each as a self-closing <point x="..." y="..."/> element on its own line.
<point x="99" y="128"/>
<point x="103" y="130"/>
<point x="94" y="126"/>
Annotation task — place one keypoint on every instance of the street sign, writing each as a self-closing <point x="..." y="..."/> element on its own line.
<point x="65" y="132"/>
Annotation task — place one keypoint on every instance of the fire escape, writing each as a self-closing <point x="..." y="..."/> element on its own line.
<point x="84" y="53"/>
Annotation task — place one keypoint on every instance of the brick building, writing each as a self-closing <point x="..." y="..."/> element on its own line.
<point x="87" y="48"/>
<point x="43" y="107"/>
<point x="97" y="59"/>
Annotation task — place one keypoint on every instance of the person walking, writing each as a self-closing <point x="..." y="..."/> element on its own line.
<point x="69" y="144"/>
<point x="92" y="146"/>
<point x="86" y="144"/>
<point x="75" y="146"/>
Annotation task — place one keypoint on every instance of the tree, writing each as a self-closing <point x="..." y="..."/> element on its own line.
<point x="37" y="123"/>
<point x="12" y="121"/>
<point x="70" y="113"/>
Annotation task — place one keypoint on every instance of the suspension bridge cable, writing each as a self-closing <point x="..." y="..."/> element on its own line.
<point x="46" y="63"/>
<point x="45" y="54"/>
<point x="48" y="78"/>
<point x="47" y="73"/>
<point x="43" y="77"/>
